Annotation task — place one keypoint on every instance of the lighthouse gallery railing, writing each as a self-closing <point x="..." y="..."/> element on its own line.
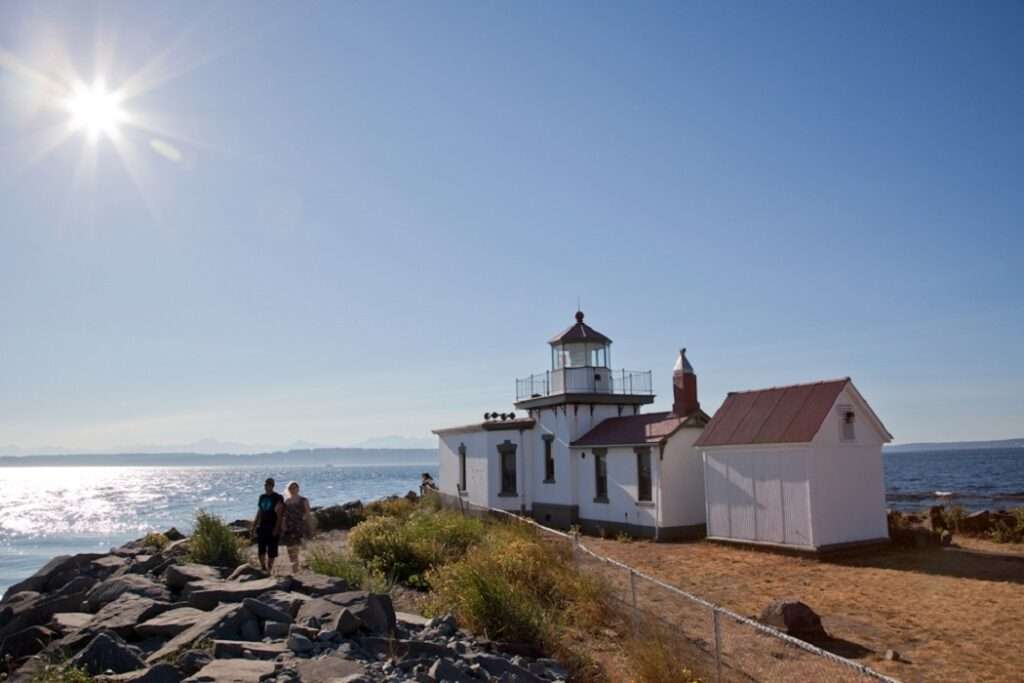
<point x="584" y="380"/>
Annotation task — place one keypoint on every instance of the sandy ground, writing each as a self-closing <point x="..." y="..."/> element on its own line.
<point x="953" y="614"/>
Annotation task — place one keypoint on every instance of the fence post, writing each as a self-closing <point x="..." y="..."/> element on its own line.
<point x="718" y="645"/>
<point x="632" y="595"/>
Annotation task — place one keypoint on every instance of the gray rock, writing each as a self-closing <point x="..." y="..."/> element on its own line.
<point x="108" y="652"/>
<point x="266" y="611"/>
<point x="303" y="631"/>
<point x="233" y="671"/>
<point x="377" y="614"/>
<point x="223" y="622"/>
<point x="410" y="620"/>
<point x="345" y="622"/>
<point x="250" y="630"/>
<point x="276" y="629"/>
<point x="108" y="564"/>
<point x="288" y="602"/>
<point x="146" y="563"/>
<point x="892" y="656"/>
<point x="170" y="623"/>
<point x="107" y="591"/>
<point x="354" y="678"/>
<point x="191" y="661"/>
<point x="444" y="670"/>
<point x="499" y="666"/>
<point x="396" y="647"/>
<point x="54" y="574"/>
<point x="299" y="643"/>
<point x="206" y="595"/>
<point x="161" y="673"/>
<point x="794" y="618"/>
<point x="25" y="642"/>
<point x="65" y="622"/>
<point x="173" y="534"/>
<point x="330" y="667"/>
<point x="177" y="576"/>
<point x="227" y="649"/>
<point x="246" y="572"/>
<point x="318" y="585"/>
<point x="122" y="615"/>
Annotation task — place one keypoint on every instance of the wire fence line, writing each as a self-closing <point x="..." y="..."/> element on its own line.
<point x="728" y="647"/>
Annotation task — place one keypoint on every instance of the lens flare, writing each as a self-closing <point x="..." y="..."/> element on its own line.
<point x="95" y="110"/>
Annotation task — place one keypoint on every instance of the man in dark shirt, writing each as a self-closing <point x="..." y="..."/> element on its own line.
<point x="267" y="525"/>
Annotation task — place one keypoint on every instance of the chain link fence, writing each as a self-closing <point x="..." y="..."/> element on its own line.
<point x="715" y="643"/>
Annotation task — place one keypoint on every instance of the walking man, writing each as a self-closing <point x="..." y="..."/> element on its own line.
<point x="267" y="525"/>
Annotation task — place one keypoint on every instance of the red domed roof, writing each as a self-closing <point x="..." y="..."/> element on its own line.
<point x="580" y="332"/>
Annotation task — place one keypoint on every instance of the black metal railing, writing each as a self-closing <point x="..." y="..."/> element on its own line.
<point x="584" y="380"/>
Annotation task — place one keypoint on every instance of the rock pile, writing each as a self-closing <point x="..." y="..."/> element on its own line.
<point x="138" y="615"/>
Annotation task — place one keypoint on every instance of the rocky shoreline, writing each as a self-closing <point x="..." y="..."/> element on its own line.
<point x="142" y="615"/>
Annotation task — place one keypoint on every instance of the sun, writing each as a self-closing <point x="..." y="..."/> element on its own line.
<point x="95" y="110"/>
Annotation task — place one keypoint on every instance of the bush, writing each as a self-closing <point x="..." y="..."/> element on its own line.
<point x="404" y="548"/>
<point x="214" y="543"/>
<point x="516" y="586"/>
<point x="1009" y="531"/>
<point x="338" y="562"/>
<point x="155" y="540"/>
<point x="61" y="673"/>
<point x="954" y="516"/>
<point x="390" y="507"/>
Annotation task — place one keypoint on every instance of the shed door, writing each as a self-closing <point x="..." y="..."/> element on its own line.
<point x="716" y="477"/>
<point x="768" y="496"/>
<point x="796" y="505"/>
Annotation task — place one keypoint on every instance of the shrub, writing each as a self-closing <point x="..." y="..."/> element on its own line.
<point x="516" y="586"/>
<point x="404" y="548"/>
<point x="1012" y="531"/>
<point x="954" y="516"/>
<point x="214" y="543"/>
<point x="61" y="673"/>
<point x="339" y="562"/>
<point x="390" y="507"/>
<point x="155" y="540"/>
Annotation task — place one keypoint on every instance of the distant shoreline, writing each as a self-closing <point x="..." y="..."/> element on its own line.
<point x="367" y="457"/>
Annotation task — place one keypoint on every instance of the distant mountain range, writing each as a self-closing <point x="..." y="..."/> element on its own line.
<point x="210" y="446"/>
<point x="956" y="445"/>
<point x="309" y="456"/>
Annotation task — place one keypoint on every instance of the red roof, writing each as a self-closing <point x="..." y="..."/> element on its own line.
<point x="637" y="429"/>
<point x="792" y="414"/>
<point x="580" y="332"/>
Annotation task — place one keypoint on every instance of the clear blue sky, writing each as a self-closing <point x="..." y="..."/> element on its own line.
<point x="365" y="219"/>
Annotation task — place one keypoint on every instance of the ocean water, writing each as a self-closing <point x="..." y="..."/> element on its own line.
<point x="975" y="479"/>
<point x="48" y="511"/>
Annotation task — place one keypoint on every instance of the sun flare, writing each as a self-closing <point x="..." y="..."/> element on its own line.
<point x="95" y="110"/>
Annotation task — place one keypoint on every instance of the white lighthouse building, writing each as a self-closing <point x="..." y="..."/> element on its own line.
<point x="579" y="450"/>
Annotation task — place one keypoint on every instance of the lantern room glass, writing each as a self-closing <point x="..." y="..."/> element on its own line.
<point x="579" y="355"/>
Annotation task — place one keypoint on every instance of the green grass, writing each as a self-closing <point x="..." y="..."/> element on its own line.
<point x="655" y="655"/>
<point x="214" y="543"/>
<point x="339" y="562"/>
<point x="1012" y="532"/>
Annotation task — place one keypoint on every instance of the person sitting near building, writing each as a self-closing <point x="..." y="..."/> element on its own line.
<point x="427" y="484"/>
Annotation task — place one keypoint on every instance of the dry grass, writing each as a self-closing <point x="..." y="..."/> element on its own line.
<point x="952" y="614"/>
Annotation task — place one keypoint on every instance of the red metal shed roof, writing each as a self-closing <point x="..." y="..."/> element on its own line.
<point x="790" y="414"/>
<point x="637" y="429"/>
<point x="580" y="332"/>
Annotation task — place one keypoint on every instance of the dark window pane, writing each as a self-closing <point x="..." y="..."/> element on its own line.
<point x="549" y="462"/>
<point x="643" y="475"/>
<point x="601" y="475"/>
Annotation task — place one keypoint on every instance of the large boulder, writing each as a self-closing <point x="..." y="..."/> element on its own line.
<point x="66" y="622"/>
<point x="108" y="564"/>
<point x="266" y="611"/>
<point x="318" y="585"/>
<point x="222" y="622"/>
<point x="206" y="596"/>
<point x="191" y="661"/>
<point x="288" y="602"/>
<point x="177" y="576"/>
<point x="376" y="613"/>
<point x="108" y="652"/>
<point x="977" y="522"/>
<point x="54" y="574"/>
<point x="343" y="516"/>
<point x="795" y="618"/>
<point x="247" y="572"/>
<point x="331" y="667"/>
<point x="325" y="608"/>
<point x="233" y="671"/>
<point x="29" y="608"/>
<point x="25" y="642"/>
<point x="113" y="588"/>
<point x="228" y="649"/>
<point x="122" y="615"/>
<point x="170" y="623"/>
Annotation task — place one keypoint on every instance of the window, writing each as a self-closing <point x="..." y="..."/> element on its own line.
<point x="462" y="467"/>
<point x="643" y="474"/>
<point x="598" y="357"/>
<point x="507" y="453"/>
<point x="848" y="419"/>
<point x="549" y="460"/>
<point x="601" y="476"/>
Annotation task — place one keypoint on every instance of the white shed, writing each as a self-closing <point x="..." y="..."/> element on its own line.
<point x="797" y="466"/>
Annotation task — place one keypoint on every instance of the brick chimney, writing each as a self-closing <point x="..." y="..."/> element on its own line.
<point x="684" y="387"/>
